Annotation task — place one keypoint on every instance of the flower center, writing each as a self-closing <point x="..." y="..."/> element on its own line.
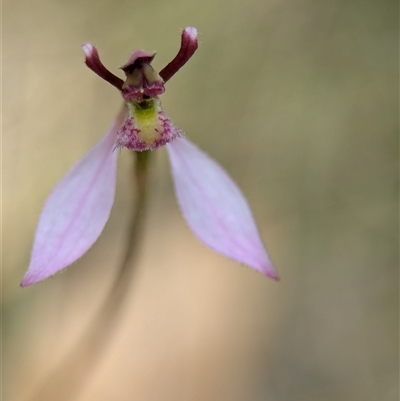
<point x="147" y="126"/>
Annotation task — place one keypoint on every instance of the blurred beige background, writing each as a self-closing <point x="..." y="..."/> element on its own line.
<point x="299" y="101"/>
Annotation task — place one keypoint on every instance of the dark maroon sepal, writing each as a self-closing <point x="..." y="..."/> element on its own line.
<point x="189" y="45"/>
<point x="93" y="62"/>
<point x="136" y="59"/>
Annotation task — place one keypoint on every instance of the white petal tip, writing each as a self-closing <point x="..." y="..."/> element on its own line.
<point x="191" y="31"/>
<point x="88" y="48"/>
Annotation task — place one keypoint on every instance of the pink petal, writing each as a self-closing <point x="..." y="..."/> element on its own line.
<point x="77" y="210"/>
<point x="215" y="208"/>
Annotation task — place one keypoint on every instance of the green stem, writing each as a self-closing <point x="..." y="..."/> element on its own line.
<point x="65" y="382"/>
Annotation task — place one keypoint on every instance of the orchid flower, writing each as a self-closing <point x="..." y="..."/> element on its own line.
<point x="79" y="206"/>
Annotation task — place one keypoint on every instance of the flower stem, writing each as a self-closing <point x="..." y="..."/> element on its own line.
<point x="65" y="382"/>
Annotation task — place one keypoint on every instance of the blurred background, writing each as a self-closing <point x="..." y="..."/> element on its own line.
<point x="298" y="100"/>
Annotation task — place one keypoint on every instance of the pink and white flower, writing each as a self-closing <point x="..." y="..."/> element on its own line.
<point x="79" y="206"/>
